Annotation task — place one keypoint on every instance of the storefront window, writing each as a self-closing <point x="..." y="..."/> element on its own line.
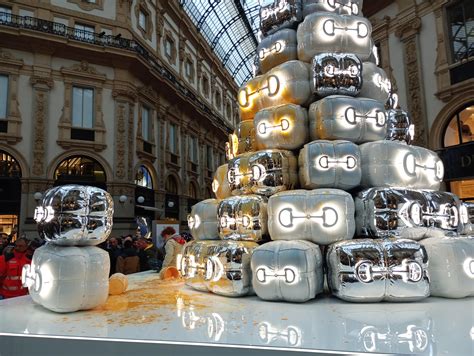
<point x="460" y="128"/>
<point x="80" y="170"/>
<point x="143" y="178"/>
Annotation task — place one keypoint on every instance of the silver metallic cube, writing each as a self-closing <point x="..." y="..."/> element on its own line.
<point x="277" y="49"/>
<point x="280" y="14"/>
<point x="375" y="83"/>
<point x="202" y="221"/>
<point x="343" y="7"/>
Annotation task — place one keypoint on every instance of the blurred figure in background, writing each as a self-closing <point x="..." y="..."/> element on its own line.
<point x="11" y="266"/>
<point x="173" y="246"/>
<point x="128" y="261"/>
<point x="150" y="256"/>
<point x="114" y="251"/>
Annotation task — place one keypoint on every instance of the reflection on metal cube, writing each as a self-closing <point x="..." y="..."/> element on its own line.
<point x="75" y="215"/>
<point x="329" y="164"/>
<point x="324" y="32"/>
<point x="287" y="270"/>
<point x="394" y="164"/>
<point x="400" y="127"/>
<point x="220" y="184"/>
<point x="322" y="216"/>
<point x="67" y="278"/>
<point x="242" y="218"/>
<point x="280" y="14"/>
<point x="340" y="117"/>
<point x="337" y="73"/>
<point x="283" y="127"/>
<point x="376" y="270"/>
<point x="375" y="83"/>
<point x="343" y="7"/>
<point x="202" y="221"/>
<point x="239" y="174"/>
<point x="277" y="49"/>
<point x="407" y="213"/>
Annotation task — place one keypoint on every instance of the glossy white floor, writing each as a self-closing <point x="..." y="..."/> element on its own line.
<point x="170" y="317"/>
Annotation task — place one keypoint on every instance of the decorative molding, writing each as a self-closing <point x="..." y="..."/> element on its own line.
<point x="131" y="140"/>
<point x="120" y="141"/>
<point x="168" y="36"/>
<point x="88" y="6"/>
<point x="149" y="94"/>
<point x="160" y="23"/>
<point x="141" y="5"/>
<point x="182" y="47"/>
<point x="127" y="95"/>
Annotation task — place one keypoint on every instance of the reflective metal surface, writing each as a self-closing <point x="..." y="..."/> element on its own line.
<point x="451" y="266"/>
<point x="407" y="213"/>
<point x="375" y="83"/>
<point x="340" y="117"/>
<point x="287" y="270"/>
<point x="329" y="164"/>
<point x="66" y="278"/>
<point x="376" y="270"/>
<point x="75" y="215"/>
<point x="239" y="174"/>
<point x="325" y="32"/>
<point x="280" y="14"/>
<point x="394" y="164"/>
<point x="202" y="221"/>
<point x="337" y="73"/>
<point x="468" y="221"/>
<point x="220" y="184"/>
<point x="400" y="127"/>
<point x="277" y="49"/>
<point x="243" y="217"/>
<point x="322" y="216"/>
<point x="287" y="83"/>
<point x="228" y="270"/>
<point x="282" y="127"/>
<point x="343" y="7"/>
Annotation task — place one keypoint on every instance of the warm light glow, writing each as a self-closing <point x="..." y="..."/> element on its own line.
<point x="277" y="47"/>
<point x="411" y="166"/>
<point x="215" y="185"/>
<point x="409" y="271"/>
<point x="287" y="274"/>
<point x="214" y="269"/>
<point x="328" y="215"/>
<point x="468" y="266"/>
<point x="324" y="162"/>
<point x="265" y="128"/>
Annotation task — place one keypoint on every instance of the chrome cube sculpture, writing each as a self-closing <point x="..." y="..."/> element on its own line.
<point x="325" y="32"/>
<point x="67" y="278"/>
<point x="378" y="270"/>
<point x="220" y="183"/>
<point x="287" y="83"/>
<point x="242" y="217"/>
<point x="407" y="213"/>
<point x="451" y="266"/>
<point x="243" y="140"/>
<point x="280" y="14"/>
<point x="228" y="270"/>
<point x="340" y="117"/>
<point x="336" y="73"/>
<point x="75" y="215"/>
<point x="394" y="164"/>
<point x="276" y="49"/>
<point x="287" y="270"/>
<point x="343" y="7"/>
<point x="329" y="164"/>
<point x="322" y="216"/>
<point x="400" y="127"/>
<point x="273" y="171"/>
<point x="202" y="221"/>
<point x="375" y="83"/>
<point x="283" y="127"/>
<point x="239" y="174"/>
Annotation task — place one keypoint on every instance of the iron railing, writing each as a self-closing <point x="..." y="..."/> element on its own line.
<point x="101" y="39"/>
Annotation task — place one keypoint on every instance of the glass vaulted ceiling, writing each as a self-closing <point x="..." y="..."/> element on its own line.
<point x="231" y="28"/>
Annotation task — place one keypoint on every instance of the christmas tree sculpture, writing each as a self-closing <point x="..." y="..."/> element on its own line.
<point x="321" y="169"/>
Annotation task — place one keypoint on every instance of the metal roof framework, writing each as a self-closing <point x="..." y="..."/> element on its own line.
<point x="230" y="27"/>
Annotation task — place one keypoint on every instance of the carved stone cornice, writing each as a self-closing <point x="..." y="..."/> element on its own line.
<point x="88" y="6"/>
<point x="7" y="58"/>
<point x="124" y="94"/>
<point x="149" y="94"/>
<point x="408" y="28"/>
<point x="41" y="82"/>
<point x="83" y="69"/>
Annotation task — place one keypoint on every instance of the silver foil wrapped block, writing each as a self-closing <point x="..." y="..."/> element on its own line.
<point x="337" y="73"/>
<point x="375" y="83"/>
<point x="280" y="14"/>
<point x="451" y="266"/>
<point x="239" y="174"/>
<point x="340" y="117"/>
<point x="75" y="215"/>
<point x="277" y="49"/>
<point x="468" y="219"/>
<point x="400" y="127"/>
<point x="202" y="221"/>
<point x="407" y="213"/>
<point x="283" y="127"/>
<point x="273" y="171"/>
<point x="192" y="263"/>
<point x="67" y="278"/>
<point x="343" y="7"/>
<point x="242" y="140"/>
<point x="220" y="184"/>
<point x="322" y="216"/>
<point x="325" y="32"/>
<point x="329" y="164"/>
<point x="228" y="270"/>
<point x="242" y="217"/>
<point x="394" y="164"/>
<point x="378" y="270"/>
<point x="287" y="270"/>
<point x="287" y="83"/>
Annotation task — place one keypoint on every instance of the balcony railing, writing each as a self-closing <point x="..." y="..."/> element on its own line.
<point x="101" y="39"/>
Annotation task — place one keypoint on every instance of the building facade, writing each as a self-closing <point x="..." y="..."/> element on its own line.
<point x="125" y="95"/>
<point x="427" y="48"/>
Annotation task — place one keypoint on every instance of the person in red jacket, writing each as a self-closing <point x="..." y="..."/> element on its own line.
<point x="11" y="266"/>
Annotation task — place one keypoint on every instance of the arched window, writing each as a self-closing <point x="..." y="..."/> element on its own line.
<point x="171" y="185"/>
<point x="460" y="128"/>
<point x="9" y="167"/>
<point x="143" y="178"/>
<point x="80" y="169"/>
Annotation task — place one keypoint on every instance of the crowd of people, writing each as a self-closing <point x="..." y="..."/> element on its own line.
<point x="128" y="254"/>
